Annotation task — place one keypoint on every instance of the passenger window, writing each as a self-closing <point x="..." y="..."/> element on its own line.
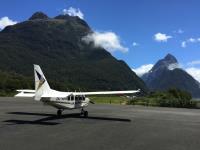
<point x="68" y="98"/>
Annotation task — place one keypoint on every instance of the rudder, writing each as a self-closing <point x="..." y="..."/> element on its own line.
<point x="41" y="84"/>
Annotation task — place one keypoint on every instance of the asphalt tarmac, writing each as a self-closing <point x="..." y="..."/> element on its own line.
<point x="29" y="125"/>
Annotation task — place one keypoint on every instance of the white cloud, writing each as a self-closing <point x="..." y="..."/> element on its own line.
<point x="191" y="69"/>
<point x="5" y="21"/>
<point x="192" y="63"/>
<point x="183" y="44"/>
<point x="160" y="37"/>
<point x="108" y="40"/>
<point x="179" y="31"/>
<point x="194" y="72"/>
<point x="135" y="44"/>
<point x="73" y="12"/>
<point x="190" y="40"/>
<point x="143" y="69"/>
<point x="173" y="66"/>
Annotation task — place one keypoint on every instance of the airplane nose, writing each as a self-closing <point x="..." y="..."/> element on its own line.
<point x="87" y="99"/>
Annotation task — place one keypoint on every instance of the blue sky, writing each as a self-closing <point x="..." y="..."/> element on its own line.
<point x="132" y="21"/>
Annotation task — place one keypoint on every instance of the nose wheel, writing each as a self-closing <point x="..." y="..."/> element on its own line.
<point x="59" y="112"/>
<point x="84" y="113"/>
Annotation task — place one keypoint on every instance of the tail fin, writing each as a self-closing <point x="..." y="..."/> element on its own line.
<point x="41" y="84"/>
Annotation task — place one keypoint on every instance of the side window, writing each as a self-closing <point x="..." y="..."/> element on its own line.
<point x="67" y="98"/>
<point x="72" y="97"/>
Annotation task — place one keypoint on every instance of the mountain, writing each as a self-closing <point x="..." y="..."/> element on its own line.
<point x="166" y="74"/>
<point x="68" y="62"/>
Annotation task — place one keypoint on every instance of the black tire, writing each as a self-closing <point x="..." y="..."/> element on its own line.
<point x="85" y="114"/>
<point x="59" y="112"/>
<point x="82" y="112"/>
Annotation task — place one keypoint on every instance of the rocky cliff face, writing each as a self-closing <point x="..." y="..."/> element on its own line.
<point x="56" y="45"/>
<point x="166" y="74"/>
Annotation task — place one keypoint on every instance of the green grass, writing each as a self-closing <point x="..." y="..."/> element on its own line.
<point x="109" y="100"/>
<point x="144" y="101"/>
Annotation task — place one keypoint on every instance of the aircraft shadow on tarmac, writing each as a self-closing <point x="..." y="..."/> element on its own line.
<point x="51" y="117"/>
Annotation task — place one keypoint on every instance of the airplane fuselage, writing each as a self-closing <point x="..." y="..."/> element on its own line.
<point x="70" y="102"/>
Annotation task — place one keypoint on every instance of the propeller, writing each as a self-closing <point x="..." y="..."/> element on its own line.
<point x="92" y="102"/>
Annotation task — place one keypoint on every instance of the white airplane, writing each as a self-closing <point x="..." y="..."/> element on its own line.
<point x="62" y="100"/>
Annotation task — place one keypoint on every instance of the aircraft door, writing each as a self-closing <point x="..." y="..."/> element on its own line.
<point x="77" y="101"/>
<point x="72" y="99"/>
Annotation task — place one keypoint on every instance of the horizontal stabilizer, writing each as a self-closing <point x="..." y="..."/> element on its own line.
<point x="25" y="93"/>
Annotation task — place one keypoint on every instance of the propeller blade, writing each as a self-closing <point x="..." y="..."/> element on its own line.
<point x="92" y="102"/>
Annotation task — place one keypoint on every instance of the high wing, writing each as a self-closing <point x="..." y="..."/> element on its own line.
<point x="54" y="93"/>
<point x="107" y="92"/>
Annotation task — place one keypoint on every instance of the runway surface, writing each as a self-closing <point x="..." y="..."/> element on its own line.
<point x="26" y="124"/>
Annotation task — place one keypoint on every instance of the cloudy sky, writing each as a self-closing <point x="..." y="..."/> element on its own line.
<point x="137" y="31"/>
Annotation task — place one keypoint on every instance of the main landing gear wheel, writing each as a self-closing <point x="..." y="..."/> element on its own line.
<point x="84" y="113"/>
<point x="59" y="112"/>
